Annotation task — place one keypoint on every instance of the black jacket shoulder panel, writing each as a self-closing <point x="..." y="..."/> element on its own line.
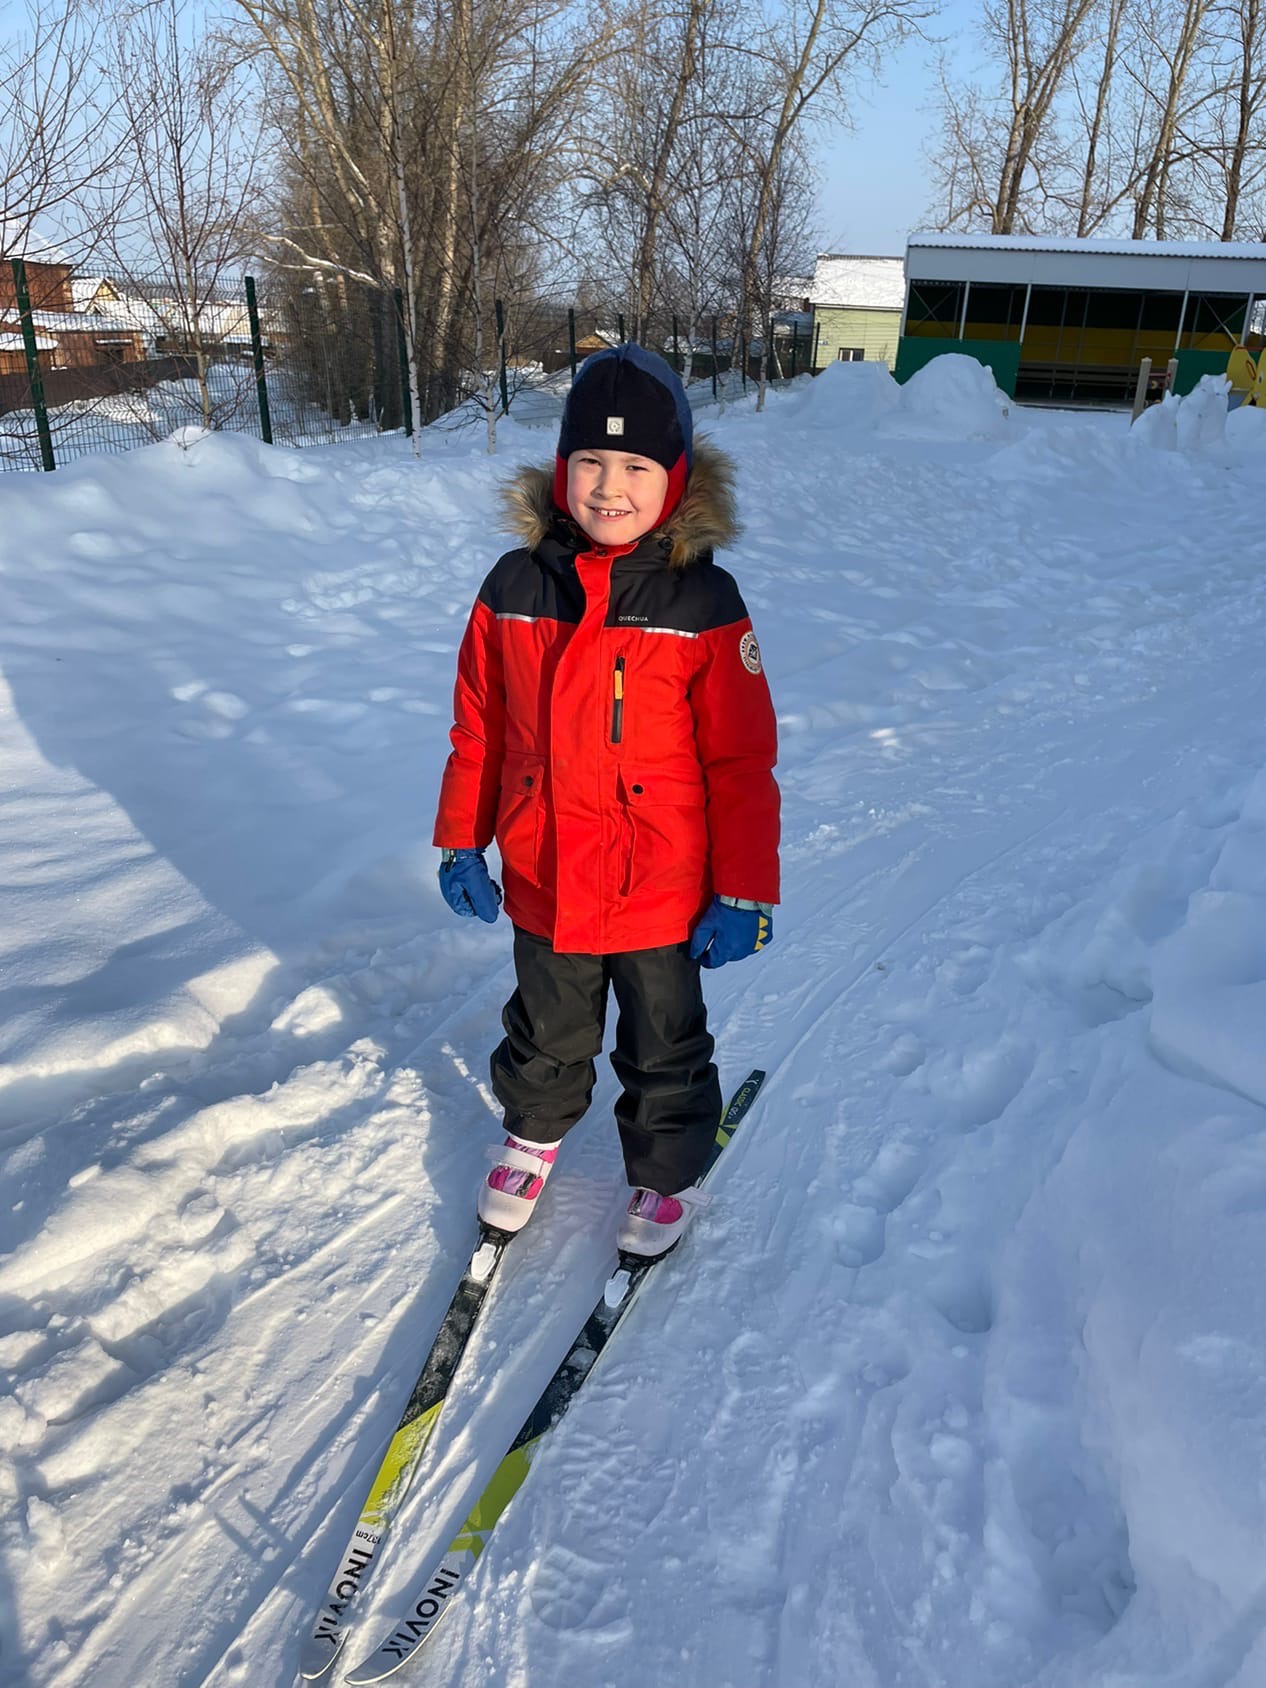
<point x="522" y="585"/>
<point x="690" y="600"/>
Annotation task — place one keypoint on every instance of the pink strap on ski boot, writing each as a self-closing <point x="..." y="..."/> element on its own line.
<point x="653" y="1224"/>
<point x="508" y="1194"/>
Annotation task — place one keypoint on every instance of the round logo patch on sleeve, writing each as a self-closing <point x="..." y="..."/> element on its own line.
<point x="749" y="651"/>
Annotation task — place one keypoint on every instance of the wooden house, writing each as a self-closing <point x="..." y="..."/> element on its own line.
<point x="66" y="337"/>
<point x="856" y="304"/>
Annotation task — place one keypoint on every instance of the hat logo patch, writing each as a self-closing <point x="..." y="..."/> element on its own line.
<point x="749" y="653"/>
<point x="615" y="424"/>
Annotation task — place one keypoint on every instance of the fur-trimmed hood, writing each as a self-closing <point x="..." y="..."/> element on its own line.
<point x="705" y="518"/>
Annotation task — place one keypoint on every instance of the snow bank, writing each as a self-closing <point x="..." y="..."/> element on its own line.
<point x="955" y="397"/>
<point x="251" y="635"/>
<point x="848" y="396"/>
<point x="1210" y="974"/>
<point x="1246" y="430"/>
<point x="952" y="398"/>
<point x="977" y="1310"/>
<point x="1193" y="423"/>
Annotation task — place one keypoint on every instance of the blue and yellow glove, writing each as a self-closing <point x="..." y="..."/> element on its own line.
<point x="467" y="886"/>
<point x="730" y="929"/>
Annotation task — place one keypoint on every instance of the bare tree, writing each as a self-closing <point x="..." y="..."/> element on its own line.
<point x="698" y="258"/>
<point x="1170" y="95"/>
<point x="807" y="59"/>
<point x="347" y="86"/>
<point x="668" y="53"/>
<point x="1240" y="141"/>
<point x="524" y="80"/>
<point x="55" y="138"/>
<point x="187" y="216"/>
<point x="999" y="152"/>
<point x="419" y="142"/>
<point x="786" y="245"/>
<point x="962" y="161"/>
<point x="1091" y="203"/>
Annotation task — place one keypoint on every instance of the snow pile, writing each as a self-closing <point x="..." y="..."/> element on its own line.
<point x="249" y="631"/>
<point x="977" y="1309"/>
<point x="1130" y="1292"/>
<point x="955" y="397"/>
<point x="1210" y="974"/>
<point x="1194" y="422"/>
<point x="847" y="397"/>
<point x="1246" y="429"/>
<point x="951" y="398"/>
<point x="1092" y="453"/>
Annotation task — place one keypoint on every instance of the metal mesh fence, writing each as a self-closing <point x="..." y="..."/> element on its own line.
<point x="118" y="362"/>
<point x="97" y="363"/>
<point x="333" y="360"/>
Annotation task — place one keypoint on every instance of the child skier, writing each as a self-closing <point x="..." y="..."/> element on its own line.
<point x="614" y="733"/>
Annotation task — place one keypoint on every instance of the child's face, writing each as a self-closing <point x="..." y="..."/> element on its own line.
<point x="615" y="497"/>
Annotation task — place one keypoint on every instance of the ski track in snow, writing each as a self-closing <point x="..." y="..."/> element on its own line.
<point x="899" y="1411"/>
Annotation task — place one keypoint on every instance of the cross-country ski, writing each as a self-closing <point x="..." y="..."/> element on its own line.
<point x="403" y="1456"/>
<point x="427" y="1605"/>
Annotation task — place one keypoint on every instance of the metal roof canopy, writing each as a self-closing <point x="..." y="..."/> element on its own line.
<point x="1150" y="265"/>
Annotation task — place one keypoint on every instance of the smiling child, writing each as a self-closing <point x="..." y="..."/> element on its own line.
<point x="614" y="732"/>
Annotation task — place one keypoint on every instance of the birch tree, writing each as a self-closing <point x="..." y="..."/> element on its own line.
<point x="1093" y="198"/>
<point x="1240" y="144"/>
<point x="1171" y="94"/>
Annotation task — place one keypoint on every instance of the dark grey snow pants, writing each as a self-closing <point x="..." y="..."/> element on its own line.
<point x="543" y="1070"/>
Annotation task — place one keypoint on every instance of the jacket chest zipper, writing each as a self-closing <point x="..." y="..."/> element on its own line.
<point x="617" y="702"/>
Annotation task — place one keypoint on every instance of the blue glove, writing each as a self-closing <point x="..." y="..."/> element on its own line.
<point x="730" y="930"/>
<point x="467" y="886"/>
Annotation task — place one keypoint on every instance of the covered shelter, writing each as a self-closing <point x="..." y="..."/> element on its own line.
<point x="1072" y="320"/>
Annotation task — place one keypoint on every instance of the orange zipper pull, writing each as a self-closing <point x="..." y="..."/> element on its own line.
<point x="617" y="706"/>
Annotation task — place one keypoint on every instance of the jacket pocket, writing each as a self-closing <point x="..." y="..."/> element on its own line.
<point x="665" y="831"/>
<point x="521" y="815"/>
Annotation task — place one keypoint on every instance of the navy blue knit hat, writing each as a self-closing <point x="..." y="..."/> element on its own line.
<point x="628" y="399"/>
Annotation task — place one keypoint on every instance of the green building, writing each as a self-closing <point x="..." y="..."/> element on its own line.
<point x="856" y="304"/>
<point x="1073" y="319"/>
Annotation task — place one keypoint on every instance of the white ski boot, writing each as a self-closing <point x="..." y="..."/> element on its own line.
<point x="508" y="1194"/>
<point x="653" y="1223"/>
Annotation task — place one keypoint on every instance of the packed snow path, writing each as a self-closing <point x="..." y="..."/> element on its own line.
<point x="959" y="1383"/>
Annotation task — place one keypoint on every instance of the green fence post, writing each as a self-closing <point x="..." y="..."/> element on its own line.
<point x="714" y="357"/>
<point x="817" y="335"/>
<point x="33" y="365"/>
<point x="571" y="339"/>
<point x="402" y="352"/>
<point x="795" y="347"/>
<point x="501" y="352"/>
<point x="769" y="350"/>
<point x="257" y="355"/>
<point x="621" y="327"/>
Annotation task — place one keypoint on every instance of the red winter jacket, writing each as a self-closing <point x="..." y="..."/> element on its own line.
<point x="613" y="727"/>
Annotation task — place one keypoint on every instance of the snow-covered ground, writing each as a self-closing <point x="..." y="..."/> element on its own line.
<point x="961" y="1380"/>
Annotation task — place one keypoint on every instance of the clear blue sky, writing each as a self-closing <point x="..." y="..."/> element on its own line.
<point x="875" y="189"/>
